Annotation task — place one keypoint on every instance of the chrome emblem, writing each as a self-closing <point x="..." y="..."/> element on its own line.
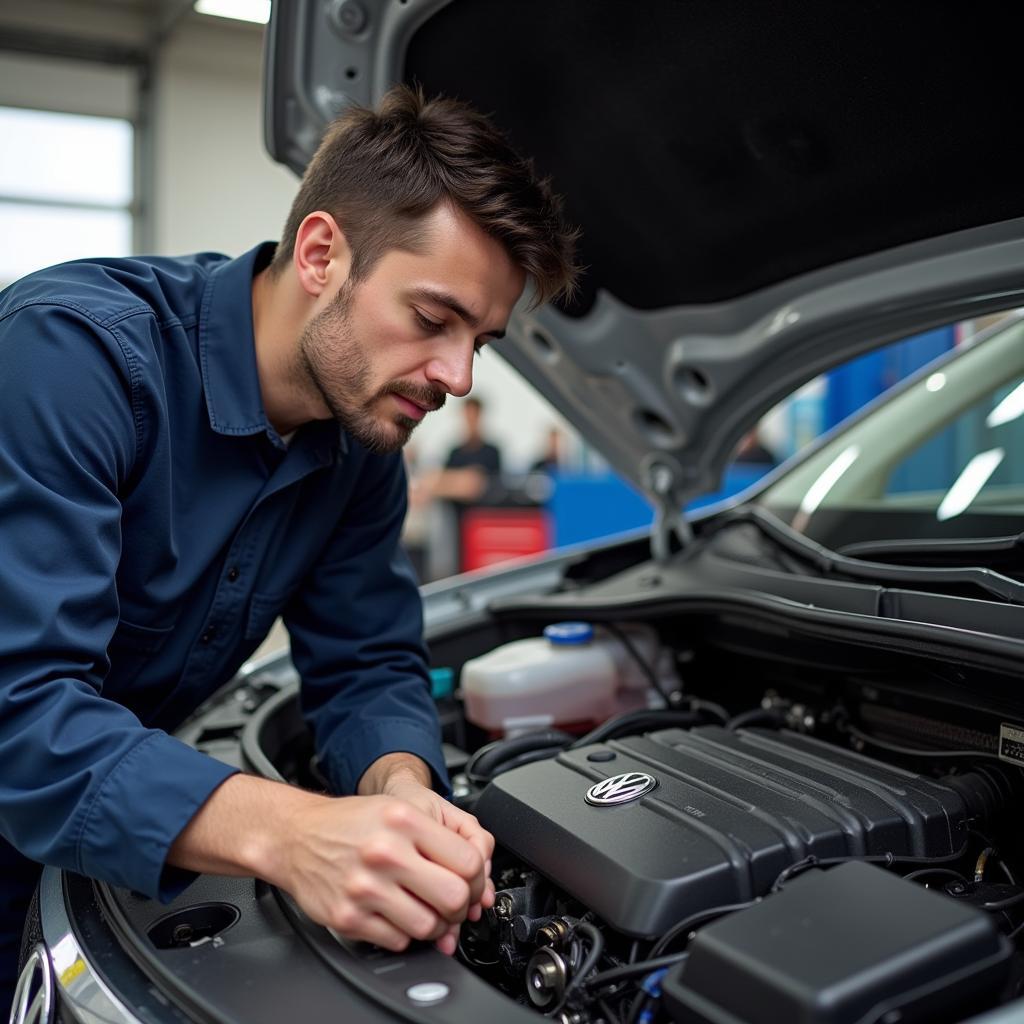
<point x="36" y="979"/>
<point x="620" y="789"/>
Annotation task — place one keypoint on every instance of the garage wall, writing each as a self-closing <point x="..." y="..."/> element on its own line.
<point x="43" y="83"/>
<point x="216" y="187"/>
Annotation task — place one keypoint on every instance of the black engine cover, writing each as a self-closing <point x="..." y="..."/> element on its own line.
<point x="729" y="812"/>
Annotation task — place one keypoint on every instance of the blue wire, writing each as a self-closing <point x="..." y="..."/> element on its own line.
<point x="652" y="986"/>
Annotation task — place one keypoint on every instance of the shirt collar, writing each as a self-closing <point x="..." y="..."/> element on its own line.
<point x="227" y="347"/>
<point x="227" y="354"/>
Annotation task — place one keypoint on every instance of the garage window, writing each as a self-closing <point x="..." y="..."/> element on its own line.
<point x="66" y="189"/>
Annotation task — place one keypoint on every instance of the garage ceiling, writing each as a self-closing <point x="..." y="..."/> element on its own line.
<point x="119" y="28"/>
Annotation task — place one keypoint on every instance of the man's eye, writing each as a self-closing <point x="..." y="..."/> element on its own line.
<point x="433" y="326"/>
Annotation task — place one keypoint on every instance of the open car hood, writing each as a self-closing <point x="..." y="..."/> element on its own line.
<point x="764" y="191"/>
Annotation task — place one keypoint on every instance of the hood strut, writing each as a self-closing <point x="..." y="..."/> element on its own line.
<point x="669" y="519"/>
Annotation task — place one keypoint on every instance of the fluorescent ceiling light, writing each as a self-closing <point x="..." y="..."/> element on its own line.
<point x="936" y="382"/>
<point x="1008" y="409"/>
<point x="257" y="11"/>
<point x="969" y="483"/>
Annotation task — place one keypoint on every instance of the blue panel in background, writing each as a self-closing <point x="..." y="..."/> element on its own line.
<point x="852" y="386"/>
<point x="588" y="507"/>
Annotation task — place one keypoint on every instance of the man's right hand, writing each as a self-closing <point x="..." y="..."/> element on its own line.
<point x="373" y="868"/>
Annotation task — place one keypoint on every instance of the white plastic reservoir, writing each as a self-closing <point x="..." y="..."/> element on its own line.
<point x="574" y="673"/>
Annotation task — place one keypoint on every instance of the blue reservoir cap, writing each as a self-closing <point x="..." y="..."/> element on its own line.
<point x="442" y="682"/>
<point x="569" y="632"/>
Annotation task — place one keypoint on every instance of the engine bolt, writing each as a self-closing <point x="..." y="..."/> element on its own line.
<point x="554" y="932"/>
<point x="503" y="907"/>
<point x="571" y="1017"/>
<point x="546" y="977"/>
<point x="182" y="933"/>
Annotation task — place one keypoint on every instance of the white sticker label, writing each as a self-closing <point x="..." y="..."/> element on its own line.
<point x="1011" y="744"/>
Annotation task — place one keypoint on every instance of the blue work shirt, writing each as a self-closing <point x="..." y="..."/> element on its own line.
<point x="153" y="526"/>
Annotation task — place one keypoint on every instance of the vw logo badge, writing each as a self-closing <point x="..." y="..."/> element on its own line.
<point x="620" y="789"/>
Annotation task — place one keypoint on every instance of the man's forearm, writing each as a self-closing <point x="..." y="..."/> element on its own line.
<point x="393" y="768"/>
<point x="238" y="830"/>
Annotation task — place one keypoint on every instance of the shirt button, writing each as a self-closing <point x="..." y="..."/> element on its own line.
<point x="233" y="574"/>
<point x="208" y="635"/>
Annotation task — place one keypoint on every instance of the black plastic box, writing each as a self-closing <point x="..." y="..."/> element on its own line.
<point x="852" y="945"/>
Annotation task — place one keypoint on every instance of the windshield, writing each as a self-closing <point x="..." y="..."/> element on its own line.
<point x="940" y="458"/>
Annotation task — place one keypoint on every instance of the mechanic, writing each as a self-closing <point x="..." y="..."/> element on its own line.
<point x="193" y="446"/>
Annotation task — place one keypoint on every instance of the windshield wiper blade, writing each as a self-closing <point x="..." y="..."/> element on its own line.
<point x="988" y="552"/>
<point x="828" y="561"/>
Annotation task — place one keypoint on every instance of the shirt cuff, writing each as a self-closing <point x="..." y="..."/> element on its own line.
<point x="349" y="755"/>
<point x="143" y="804"/>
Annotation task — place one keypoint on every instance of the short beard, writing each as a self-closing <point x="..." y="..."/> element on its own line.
<point x="333" y="361"/>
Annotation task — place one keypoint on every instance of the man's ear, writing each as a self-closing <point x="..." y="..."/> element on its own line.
<point x="321" y="256"/>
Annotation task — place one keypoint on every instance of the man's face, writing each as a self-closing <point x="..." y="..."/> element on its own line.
<point x="390" y="348"/>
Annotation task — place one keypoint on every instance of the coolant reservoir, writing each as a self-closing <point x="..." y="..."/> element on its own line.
<point x="572" y="674"/>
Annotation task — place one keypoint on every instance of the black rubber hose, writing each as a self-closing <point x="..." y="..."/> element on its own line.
<point x="936" y="873"/>
<point x="637" y="721"/>
<point x="502" y="755"/>
<point x="1004" y="904"/>
<point x="755" y="716"/>
<point x="887" y="860"/>
<point x="487" y="761"/>
<point x="711" y="708"/>
<point x="616" y="974"/>
<point x="596" y="942"/>
<point x="526" y="757"/>
<point x="931" y="755"/>
<point x="987" y="790"/>
<point x="691" y="922"/>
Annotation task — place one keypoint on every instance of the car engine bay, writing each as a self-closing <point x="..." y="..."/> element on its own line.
<point x="710" y="807"/>
<point x="645" y="863"/>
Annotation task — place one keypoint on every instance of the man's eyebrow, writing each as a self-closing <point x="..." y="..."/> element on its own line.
<point x="446" y="299"/>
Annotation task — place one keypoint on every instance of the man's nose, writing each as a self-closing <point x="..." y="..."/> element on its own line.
<point x="453" y="369"/>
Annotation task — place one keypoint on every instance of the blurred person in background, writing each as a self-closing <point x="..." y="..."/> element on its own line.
<point x="550" y="460"/>
<point x="475" y="452"/>
<point x="470" y="468"/>
<point x="471" y="472"/>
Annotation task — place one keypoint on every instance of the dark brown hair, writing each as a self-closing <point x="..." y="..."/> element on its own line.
<point x="380" y="172"/>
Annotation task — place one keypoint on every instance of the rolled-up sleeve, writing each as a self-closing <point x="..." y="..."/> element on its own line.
<point x="83" y="784"/>
<point x="356" y="628"/>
